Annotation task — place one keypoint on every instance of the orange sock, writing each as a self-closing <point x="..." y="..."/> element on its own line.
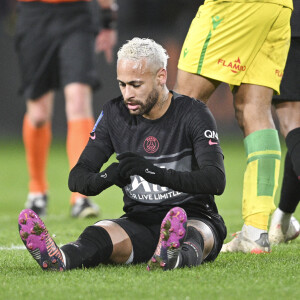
<point x="77" y="138"/>
<point x="37" y="142"/>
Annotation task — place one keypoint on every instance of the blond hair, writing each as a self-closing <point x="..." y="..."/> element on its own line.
<point x="143" y="48"/>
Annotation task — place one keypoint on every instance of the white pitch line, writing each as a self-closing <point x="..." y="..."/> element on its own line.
<point x="13" y="247"/>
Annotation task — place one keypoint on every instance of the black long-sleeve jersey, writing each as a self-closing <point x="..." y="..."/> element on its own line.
<point x="184" y="142"/>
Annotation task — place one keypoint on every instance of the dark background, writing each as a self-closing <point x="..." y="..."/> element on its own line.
<point x="165" y="21"/>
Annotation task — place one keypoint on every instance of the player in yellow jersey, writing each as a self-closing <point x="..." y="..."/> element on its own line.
<point x="245" y="44"/>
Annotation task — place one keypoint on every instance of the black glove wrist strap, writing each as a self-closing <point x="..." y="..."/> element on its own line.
<point x="109" y="17"/>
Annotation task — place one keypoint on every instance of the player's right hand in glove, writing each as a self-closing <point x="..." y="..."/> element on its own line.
<point x="135" y="164"/>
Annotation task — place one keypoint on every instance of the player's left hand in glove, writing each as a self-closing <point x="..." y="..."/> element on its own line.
<point x="111" y="176"/>
<point x="134" y="164"/>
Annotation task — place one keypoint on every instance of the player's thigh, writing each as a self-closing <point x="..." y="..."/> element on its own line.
<point x="225" y="37"/>
<point x="194" y="85"/>
<point x="78" y="59"/>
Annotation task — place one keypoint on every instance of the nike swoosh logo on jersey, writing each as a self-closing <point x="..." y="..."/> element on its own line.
<point x="93" y="136"/>
<point x="104" y="175"/>
<point x="149" y="172"/>
<point x="210" y="143"/>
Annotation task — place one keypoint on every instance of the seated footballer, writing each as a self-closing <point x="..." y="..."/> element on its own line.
<point x="170" y="167"/>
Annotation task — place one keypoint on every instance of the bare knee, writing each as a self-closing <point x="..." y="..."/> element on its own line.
<point x="207" y="235"/>
<point x="39" y="111"/>
<point x="78" y="101"/>
<point x="122" y="246"/>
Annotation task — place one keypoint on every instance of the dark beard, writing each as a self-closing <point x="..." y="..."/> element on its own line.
<point x="150" y="102"/>
<point x="145" y="108"/>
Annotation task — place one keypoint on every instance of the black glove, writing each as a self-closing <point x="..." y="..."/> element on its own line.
<point x="111" y="176"/>
<point x="134" y="164"/>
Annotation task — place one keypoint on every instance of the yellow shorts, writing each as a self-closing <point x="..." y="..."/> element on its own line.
<point x="238" y="43"/>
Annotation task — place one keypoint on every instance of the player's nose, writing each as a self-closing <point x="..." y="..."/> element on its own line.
<point x="128" y="92"/>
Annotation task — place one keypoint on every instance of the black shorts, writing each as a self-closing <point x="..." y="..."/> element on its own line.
<point x="290" y="87"/>
<point x="144" y="237"/>
<point x="55" y="46"/>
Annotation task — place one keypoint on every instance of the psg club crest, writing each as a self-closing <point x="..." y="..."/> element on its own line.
<point x="151" y="144"/>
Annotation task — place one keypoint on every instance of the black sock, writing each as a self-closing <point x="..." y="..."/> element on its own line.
<point x="191" y="252"/>
<point x="94" y="246"/>
<point x="290" y="190"/>
<point x="293" y="144"/>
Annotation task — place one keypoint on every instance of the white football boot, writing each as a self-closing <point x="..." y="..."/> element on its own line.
<point x="283" y="228"/>
<point x="249" y="240"/>
<point x="38" y="203"/>
<point x="84" y="208"/>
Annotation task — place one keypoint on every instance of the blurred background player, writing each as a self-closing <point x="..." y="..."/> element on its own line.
<point x="284" y="226"/>
<point x="55" y="43"/>
<point x="244" y="44"/>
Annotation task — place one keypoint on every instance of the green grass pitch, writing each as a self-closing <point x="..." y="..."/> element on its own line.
<point x="231" y="276"/>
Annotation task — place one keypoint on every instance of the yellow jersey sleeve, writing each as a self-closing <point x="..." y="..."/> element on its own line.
<point x="287" y="3"/>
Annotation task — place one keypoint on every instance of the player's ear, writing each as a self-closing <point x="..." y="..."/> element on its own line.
<point x="162" y="76"/>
